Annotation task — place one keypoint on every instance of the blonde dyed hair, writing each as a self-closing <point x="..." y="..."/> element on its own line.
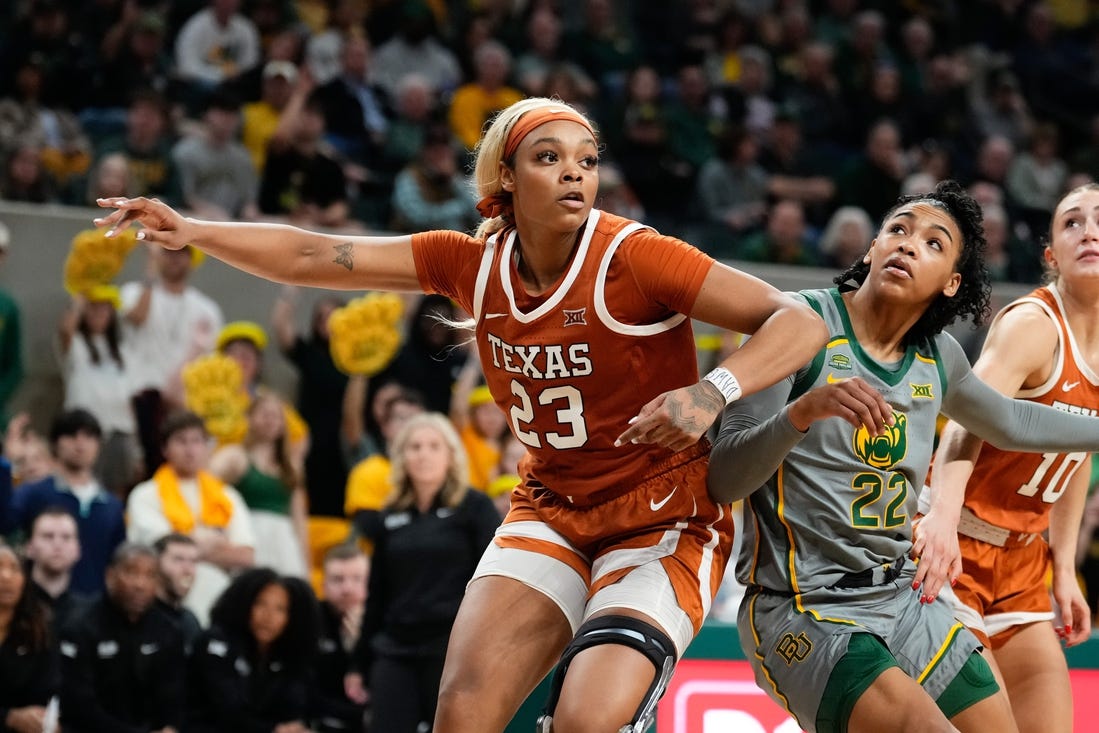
<point x="456" y="483"/>
<point x="489" y="153"/>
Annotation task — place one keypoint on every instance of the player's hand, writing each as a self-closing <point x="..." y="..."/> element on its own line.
<point x="935" y="544"/>
<point x="676" y="419"/>
<point x="162" y="224"/>
<point x="1075" y="616"/>
<point x="852" y="399"/>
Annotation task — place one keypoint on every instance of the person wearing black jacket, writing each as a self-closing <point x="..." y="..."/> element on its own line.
<point x="29" y="668"/>
<point x="177" y="562"/>
<point x="122" y="660"/>
<point x="249" y="672"/>
<point x="53" y="549"/>
<point x="427" y="542"/>
<point x="346" y="569"/>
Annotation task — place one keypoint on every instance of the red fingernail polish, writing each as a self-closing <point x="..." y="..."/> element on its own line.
<point x="1068" y="630"/>
<point x="953" y="582"/>
<point x="915" y="585"/>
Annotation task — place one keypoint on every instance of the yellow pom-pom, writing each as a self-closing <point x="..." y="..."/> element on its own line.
<point x="213" y="387"/>
<point x="364" y="335"/>
<point x="94" y="259"/>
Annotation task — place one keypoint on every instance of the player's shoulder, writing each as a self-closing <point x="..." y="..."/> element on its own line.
<point x="1028" y="323"/>
<point x="639" y="240"/>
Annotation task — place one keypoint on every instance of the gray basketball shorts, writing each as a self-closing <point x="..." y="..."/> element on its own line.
<point x="794" y="642"/>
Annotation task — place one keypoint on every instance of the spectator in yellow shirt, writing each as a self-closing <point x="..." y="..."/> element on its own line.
<point x="269" y="120"/>
<point x="475" y="103"/>
<point x="368" y="485"/>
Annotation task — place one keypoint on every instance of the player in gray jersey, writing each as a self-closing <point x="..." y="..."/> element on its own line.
<point x="829" y="462"/>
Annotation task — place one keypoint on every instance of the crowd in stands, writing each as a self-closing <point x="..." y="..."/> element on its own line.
<point x="720" y="116"/>
<point x="184" y="572"/>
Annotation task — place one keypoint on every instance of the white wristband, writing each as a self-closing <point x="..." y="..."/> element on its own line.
<point x="726" y="383"/>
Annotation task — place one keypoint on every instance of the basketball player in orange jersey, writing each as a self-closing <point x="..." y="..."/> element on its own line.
<point x="612" y="551"/>
<point x="1042" y="347"/>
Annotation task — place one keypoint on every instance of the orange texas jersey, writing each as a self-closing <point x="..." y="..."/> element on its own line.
<point x="570" y="367"/>
<point x="1017" y="490"/>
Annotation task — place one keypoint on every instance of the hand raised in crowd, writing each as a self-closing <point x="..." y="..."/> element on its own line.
<point x="70" y="319"/>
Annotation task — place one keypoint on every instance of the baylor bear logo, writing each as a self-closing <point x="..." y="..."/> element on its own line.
<point x="886" y="450"/>
<point x="794" y="648"/>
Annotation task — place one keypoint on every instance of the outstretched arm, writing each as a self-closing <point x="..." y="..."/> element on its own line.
<point x="786" y="334"/>
<point x="758" y="431"/>
<point x="275" y="251"/>
<point x="1018" y="425"/>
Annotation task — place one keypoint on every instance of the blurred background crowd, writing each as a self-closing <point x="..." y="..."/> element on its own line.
<point x="757" y="129"/>
<point x="179" y="507"/>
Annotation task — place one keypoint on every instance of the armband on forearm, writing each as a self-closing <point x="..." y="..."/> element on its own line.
<point x="726" y="384"/>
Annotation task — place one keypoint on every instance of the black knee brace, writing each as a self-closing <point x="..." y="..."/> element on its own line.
<point x="626" y="631"/>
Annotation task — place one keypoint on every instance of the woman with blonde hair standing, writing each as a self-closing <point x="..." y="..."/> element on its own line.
<point x="427" y="542"/>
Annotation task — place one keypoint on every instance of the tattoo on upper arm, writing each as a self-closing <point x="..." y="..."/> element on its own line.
<point x="344" y="255"/>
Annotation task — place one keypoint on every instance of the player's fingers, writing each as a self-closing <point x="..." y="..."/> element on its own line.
<point x="641" y="423"/>
<point x="110" y="203"/>
<point x="639" y="427"/>
<point x="111" y="220"/>
<point x="921" y="572"/>
<point x="676" y="440"/>
<point x="933" y="581"/>
<point x="874" y="405"/>
<point x="1080" y="631"/>
<point x="153" y="236"/>
<point x="668" y="435"/>
<point x="854" y="402"/>
<point x="955" y="571"/>
<point x="918" y="545"/>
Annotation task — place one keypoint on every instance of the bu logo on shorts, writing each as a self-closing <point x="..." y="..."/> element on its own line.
<point x="794" y="648"/>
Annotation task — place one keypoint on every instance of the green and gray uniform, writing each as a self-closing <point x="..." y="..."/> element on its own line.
<point x="826" y="535"/>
